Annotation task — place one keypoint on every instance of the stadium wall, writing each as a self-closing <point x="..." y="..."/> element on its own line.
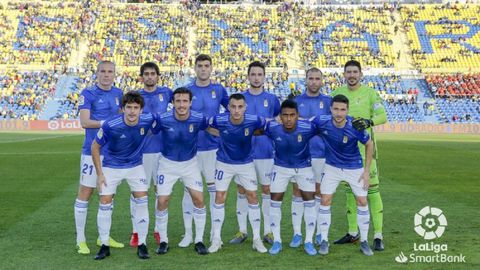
<point x="74" y="125"/>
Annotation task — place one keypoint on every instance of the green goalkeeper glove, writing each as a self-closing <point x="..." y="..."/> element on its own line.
<point x="360" y="123"/>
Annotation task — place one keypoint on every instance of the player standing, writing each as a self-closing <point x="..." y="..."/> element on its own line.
<point x="312" y="103"/>
<point x="344" y="163"/>
<point x="156" y="101"/>
<point x="292" y="163"/>
<point x="263" y="104"/>
<point x="367" y="108"/>
<point x="235" y="160"/>
<point x="95" y="104"/>
<point x="207" y="98"/>
<point x="180" y="128"/>
<point x="123" y="137"/>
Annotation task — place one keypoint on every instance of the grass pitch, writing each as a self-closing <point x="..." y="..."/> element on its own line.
<point x="39" y="177"/>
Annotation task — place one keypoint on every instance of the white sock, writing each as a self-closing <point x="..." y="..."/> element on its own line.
<point x="310" y="216"/>
<point x="142" y="218"/>
<point x="276" y="218"/>
<point x="132" y="212"/>
<point x="297" y="214"/>
<point x="212" y="192"/>
<point x="254" y="217"/>
<point x="80" y="210"/>
<point x="200" y="218"/>
<point x="187" y="208"/>
<point x="161" y="222"/>
<point x="218" y="215"/>
<point x="363" y="219"/>
<point x="324" y="218"/>
<point x="242" y="212"/>
<point x="155" y="229"/>
<point x="318" y="202"/>
<point x="104" y="222"/>
<point x="266" y="214"/>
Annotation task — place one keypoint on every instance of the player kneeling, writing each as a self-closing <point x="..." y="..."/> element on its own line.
<point x="235" y="159"/>
<point x="124" y="137"/>
<point x="344" y="163"/>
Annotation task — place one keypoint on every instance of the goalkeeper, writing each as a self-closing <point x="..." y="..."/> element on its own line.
<point x="367" y="109"/>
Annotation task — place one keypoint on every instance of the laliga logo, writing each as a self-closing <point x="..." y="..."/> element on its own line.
<point x="430" y="223"/>
<point x="53" y="125"/>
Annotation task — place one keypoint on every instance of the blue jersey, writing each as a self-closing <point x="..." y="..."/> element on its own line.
<point x="236" y="140"/>
<point x="102" y="105"/>
<point x="180" y="137"/>
<point x="156" y="102"/>
<point x="264" y="105"/>
<point x="124" y="143"/>
<point x="291" y="148"/>
<point x="207" y="100"/>
<point x="341" y="144"/>
<point x="309" y="107"/>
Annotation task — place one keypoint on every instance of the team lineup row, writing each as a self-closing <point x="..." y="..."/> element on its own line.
<point x="259" y="140"/>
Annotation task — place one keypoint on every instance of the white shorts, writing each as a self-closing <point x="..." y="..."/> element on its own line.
<point x="170" y="171"/>
<point x="333" y="176"/>
<point x="281" y="176"/>
<point x="263" y="168"/>
<point x="206" y="162"/>
<point x="318" y="166"/>
<point x="88" y="174"/>
<point x="244" y="176"/>
<point x="150" y="163"/>
<point x="135" y="178"/>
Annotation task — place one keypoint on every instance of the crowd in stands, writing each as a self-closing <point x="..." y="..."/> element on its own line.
<point x="330" y="36"/>
<point x="455" y="86"/>
<point x="234" y="37"/>
<point x="23" y="94"/>
<point x="443" y="36"/>
<point x="38" y="32"/>
<point x="139" y="34"/>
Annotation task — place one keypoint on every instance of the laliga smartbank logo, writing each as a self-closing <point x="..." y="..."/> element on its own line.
<point x="430" y="223"/>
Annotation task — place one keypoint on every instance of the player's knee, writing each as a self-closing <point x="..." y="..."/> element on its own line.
<point x="197" y="200"/>
<point x="266" y="189"/>
<point x="139" y="194"/>
<point x="318" y="193"/>
<point x="106" y="199"/>
<point x="240" y="189"/>
<point x="84" y="193"/>
<point x="276" y="196"/>
<point x="162" y="203"/>
<point x="296" y="191"/>
<point x="326" y="200"/>
<point x="362" y="201"/>
<point x="251" y="197"/>
<point x="220" y="197"/>
<point x="308" y="196"/>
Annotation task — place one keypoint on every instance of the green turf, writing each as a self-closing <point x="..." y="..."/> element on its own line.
<point x="39" y="176"/>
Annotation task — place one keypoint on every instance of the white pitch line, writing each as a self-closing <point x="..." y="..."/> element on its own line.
<point x="37" y="138"/>
<point x="39" y="153"/>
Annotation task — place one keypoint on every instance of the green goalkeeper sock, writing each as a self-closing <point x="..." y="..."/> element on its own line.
<point x="351" y="212"/>
<point x="376" y="210"/>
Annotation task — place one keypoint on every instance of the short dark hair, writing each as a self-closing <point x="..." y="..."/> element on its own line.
<point x="237" y="96"/>
<point x="290" y="104"/>
<point x="313" y="69"/>
<point x="340" y="99"/>
<point x="183" y="90"/>
<point x="203" y="57"/>
<point x="352" y="63"/>
<point x="132" y="97"/>
<point x="104" y="62"/>
<point x="256" y="64"/>
<point x="149" y="65"/>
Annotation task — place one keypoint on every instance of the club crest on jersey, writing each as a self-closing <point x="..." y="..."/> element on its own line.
<point x="321" y="104"/>
<point x="160" y="97"/>
<point x="210" y="121"/>
<point x="142" y="131"/>
<point x="214" y="95"/>
<point x="100" y="133"/>
<point x="247" y="131"/>
<point x="81" y="100"/>
<point x="299" y="138"/>
<point x="190" y="128"/>
<point x="358" y="100"/>
<point x="345" y="139"/>
<point x="265" y="103"/>
<point x="117" y="101"/>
